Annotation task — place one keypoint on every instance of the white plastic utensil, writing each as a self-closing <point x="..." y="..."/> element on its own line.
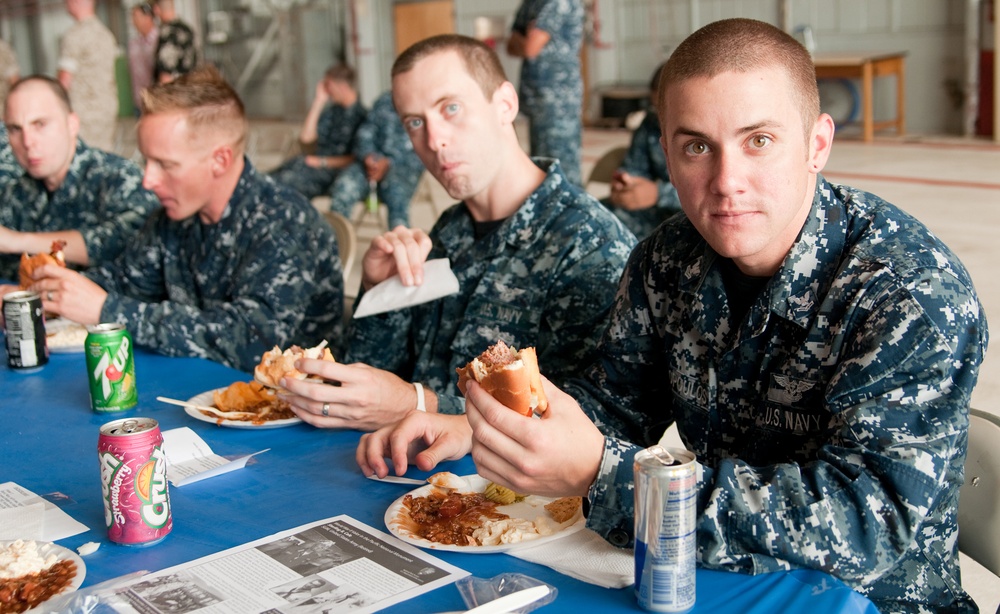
<point x="397" y="480"/>
<point x="212" y="410"/>
<point x="511" y="602"/>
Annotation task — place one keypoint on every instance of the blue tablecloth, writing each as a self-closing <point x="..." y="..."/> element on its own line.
<point x="49" y="445"/>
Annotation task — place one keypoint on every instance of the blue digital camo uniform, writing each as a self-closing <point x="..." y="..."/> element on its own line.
<point x="10" y="170"/>
<point x="267" y="274"/>
<point x="101" y="196"/>
<point x="335" y="132"/>
<point x="832" y="424"/>
<point x="551" y="85"/>
<point x="381" y="133"/>
<point x="645" y="159"/>
<point x="545" y="278"/>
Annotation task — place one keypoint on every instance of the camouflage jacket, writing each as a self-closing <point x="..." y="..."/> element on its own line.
<point x="558" y="64"/>
<point x="545" y="278"/>
<point x="102" y="197"/>
<point x="176" y="51"/>
<point x="10" y="170"/>
<point x="645" y="158"/>
<point x="268" y="273"/>
<point x="337" y="127"/>
<point x="831" y="424"/>
<point x="382" y="133"/>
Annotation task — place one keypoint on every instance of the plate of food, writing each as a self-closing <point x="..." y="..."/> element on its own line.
<point x="471" y="514"/>
<point x="64" y="336"/>
<point x="32" y="573"/>
<point x="252" y="406"/>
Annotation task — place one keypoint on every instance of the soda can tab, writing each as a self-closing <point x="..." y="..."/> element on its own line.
<point x="134" y="481"/>
<point x="666" y="489"/>
<point x="110" y="368"/>
<point x="24" y="318"/>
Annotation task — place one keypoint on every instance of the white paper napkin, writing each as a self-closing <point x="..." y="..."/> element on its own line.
<point x="586" y="556"/>
<point x="190" y="459"/>
<point x="391" y="294"/>
<point x="25" y="515"/>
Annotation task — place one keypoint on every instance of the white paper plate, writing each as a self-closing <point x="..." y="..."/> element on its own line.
<point x="64" y="336"/>
<point x="529" y="509"/>
<point x="62" y="554"/>
<point x="205" y="398"/>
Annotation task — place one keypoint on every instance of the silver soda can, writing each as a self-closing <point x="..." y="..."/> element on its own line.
<point x="27" y="349"/>
<point x="666" y="489"/>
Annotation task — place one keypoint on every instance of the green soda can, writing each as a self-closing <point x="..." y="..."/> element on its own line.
<point x="110" y="368"/>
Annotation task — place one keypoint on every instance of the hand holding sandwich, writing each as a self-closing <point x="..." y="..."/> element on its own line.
<point x="69" y="294"/>
<point x="401" y="251"/>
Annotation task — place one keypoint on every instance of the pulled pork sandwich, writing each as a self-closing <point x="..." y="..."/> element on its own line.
<point x="277" y="364"/>
<point x="509" y="375"/>
<point x="30" y="263"/>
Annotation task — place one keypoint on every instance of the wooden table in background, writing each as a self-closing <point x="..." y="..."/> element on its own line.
<point x="866" y="68"/>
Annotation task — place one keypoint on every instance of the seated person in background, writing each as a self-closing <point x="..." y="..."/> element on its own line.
<point x="816" y="346"/>
<point x="232" y="264"/>
<point x="383" y="154"/>
<point x="537" y="258"/>
<point x="64" y="189"/>
<point x="328" y="131"/>
<point x="641" y="193"/>
<point x="10" y="170"/>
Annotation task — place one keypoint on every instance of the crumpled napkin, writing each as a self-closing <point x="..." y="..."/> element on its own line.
<point x="586" y="556"/>
<point x="391" y="294"/>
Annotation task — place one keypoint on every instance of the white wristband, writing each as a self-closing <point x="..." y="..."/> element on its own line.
<point x="421" y="404"/>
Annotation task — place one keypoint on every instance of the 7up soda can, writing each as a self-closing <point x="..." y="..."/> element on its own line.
<point x="110" y="368"/>
<point x="134" y="481"/>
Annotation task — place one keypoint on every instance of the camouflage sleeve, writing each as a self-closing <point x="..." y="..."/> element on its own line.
<point x="381" y="340"/>
<point x="268" y="302"/>
<point x="366" y="139"/>
<point x="636" y="161"/>
<point x="123" y="206"/>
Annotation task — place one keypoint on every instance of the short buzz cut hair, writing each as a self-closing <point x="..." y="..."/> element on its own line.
<point x="743" y="45"/>
<point x="208" y="100"/>
<point x="340" y="72"/>
<point x="480" y="60"/>
<point x="57" y="89"/>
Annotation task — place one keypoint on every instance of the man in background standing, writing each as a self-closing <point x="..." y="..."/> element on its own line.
<point x="142" y="50"/>
<point x="548" y="35"/>
<point x="176" y="53"/>
<point x="86" y="64"/>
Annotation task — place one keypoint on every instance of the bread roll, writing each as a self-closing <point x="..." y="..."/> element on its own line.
<point x="509" y="375"/>
<point x="277" y="364"/>
<point x="30" y="263"/>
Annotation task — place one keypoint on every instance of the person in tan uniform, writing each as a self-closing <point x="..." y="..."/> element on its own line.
<point x="86" y="64"/>
<point x="9" y="70"/>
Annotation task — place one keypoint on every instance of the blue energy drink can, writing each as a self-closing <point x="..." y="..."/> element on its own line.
<point x="666" y="488"/>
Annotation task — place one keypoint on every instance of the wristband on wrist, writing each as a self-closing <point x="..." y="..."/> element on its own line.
<point x="421" y="404"/>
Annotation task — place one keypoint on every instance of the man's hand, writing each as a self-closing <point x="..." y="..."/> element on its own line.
<point x="69" y="294"/>
<point x="420" y="438"/>
<point x="556" y="456"/>
<point x="633" y="193"/>
<point x="358" y="396"/>
<point x="377" y="167"/>
<point x="400" y="251"/>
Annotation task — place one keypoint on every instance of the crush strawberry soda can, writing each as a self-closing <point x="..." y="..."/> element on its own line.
<point x="134" y="481"/>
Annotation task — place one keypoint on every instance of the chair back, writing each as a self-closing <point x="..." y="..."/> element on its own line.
<point x="347" y="241"/>
<point x="979" y="498"/>
<point x="606" y="165"/>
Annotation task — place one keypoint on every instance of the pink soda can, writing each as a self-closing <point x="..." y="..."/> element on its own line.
<point x="134" y="481"/>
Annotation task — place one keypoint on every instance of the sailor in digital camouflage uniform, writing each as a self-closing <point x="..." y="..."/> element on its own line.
<point x="10" y="170"/>
<point x="232" y="264"/>
<point x="86" y="63"/>
<point x="381" y="145"/>
<point x="62" y="189"/>
<point x="644" y="161"/>
<point x="330" y="125"/>
<point x="537" y="259"/>
<point x="176" y="48"/>
<point x="548" y="35"/>
<point x="816" y="346"/>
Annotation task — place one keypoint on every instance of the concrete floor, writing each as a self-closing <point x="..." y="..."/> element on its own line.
<point x="952" y="185"/>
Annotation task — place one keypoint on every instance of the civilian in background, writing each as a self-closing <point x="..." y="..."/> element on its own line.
<point x="176" y="51"/>
<point x="548" y="35"/>
<point x="383" y="154"/>
<point x="641" y="193"/>
<point x="142" y="50"/>
<point x="10" y="72"/>
<point x="231" y="264"/>
<point x="86" y="63"/>
<point x="63" y="189"/>
<point x="328" y="131"/>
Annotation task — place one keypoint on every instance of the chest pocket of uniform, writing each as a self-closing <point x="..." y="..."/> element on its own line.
<point x="791" y="422"/>
<point x="485" y="322"/>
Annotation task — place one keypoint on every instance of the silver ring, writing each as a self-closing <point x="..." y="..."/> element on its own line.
<point x="48" y="295"/>
<point x="326" y="409"/>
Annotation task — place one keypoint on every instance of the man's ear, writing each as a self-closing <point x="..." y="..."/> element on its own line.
<point x="506" y="99"/>
<point x="820" y="142"/>
<point x="222" y="159"/>
<point x="73" y="121"/>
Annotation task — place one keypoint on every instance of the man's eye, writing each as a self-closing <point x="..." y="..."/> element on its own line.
<point x="760" y="140"/>
<point x="414" y="124"/>
<point x="451" y="108"/>
<point x="697" y="148"/>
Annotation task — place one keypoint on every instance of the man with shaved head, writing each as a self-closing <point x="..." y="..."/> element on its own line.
<point x="232" y="264"/>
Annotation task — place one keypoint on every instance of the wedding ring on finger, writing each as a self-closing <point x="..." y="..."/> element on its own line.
<point x="48" y="296"/>
<point x="326" y="410"/>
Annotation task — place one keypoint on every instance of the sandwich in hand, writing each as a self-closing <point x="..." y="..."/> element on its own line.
<point x="509" y="375"/>
<point x="277" y="364"/>
<point x="30" y="263"/>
